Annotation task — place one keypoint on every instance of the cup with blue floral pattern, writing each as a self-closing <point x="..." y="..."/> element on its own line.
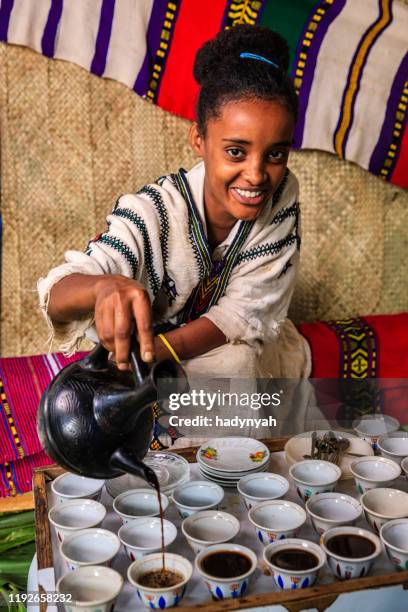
<point x="232" y="583"/>
<point x="197" y="495"/>
<point x="294" y="563"/>
<point x="69" y="486"/>
<point x="373" y="472"/>
<point x="276" y="520"/>
<point x="394" y="536"/>
<point x="371" y="427"/>
<point x="89" y="547"/>
<point x="352" y="563"/>
<point x="255" y="488"/>
<point x="159" y="598"/>
<point x="142" y="536"/>
<point x="90" y="588"/>
<point x="382" y="505"/>
<point x="314" y="476"/>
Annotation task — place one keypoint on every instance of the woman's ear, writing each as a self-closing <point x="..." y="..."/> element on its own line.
<point x="196" y="140"/>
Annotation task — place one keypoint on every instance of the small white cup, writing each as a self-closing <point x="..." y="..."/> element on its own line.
<point x="165" y="597"/>
<point x="262" y="486"/>
<point x="138" y="502"/>
<point x="329" y="510"/>
<point x="276" y="520"/>
<point x="313" y="476"/>
<point x="372" y="426"/>
<point x="394" y="446"/>
<point x="71" y="486"/>
<point x="209" y="527"/>
<point x="372" y="472"/>
<point x="382" y="505"/>
<point x="350" y="567"/>
<point x="74" y="515"/>
<point x="90" y="589"/>
<point x="142" y="536"/>
<point x="89" y="547"/>
<point x="293" y="578"/>
<point x="197" y="495"/>
<point x="394" y="536"/>
<point x="225" y="588"/>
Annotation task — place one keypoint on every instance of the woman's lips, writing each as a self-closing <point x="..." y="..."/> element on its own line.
<point x="246" y="199"/>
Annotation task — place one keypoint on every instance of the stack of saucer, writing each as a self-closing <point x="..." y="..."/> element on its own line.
<point x="226" y="460"/>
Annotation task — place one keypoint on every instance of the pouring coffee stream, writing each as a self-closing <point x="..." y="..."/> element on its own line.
<point x="96" y="421"/>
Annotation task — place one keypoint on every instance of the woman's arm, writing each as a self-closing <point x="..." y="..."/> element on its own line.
<point x="118" y="302"/>
<point x="191" y="340"/>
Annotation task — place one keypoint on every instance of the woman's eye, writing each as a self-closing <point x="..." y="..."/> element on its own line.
<point x="235" y="153"/>
<point x="278" y="155"/>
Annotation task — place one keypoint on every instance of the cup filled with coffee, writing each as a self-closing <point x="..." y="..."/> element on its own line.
<point x="294" y="562"/>
<point x="350" y="551"/>
<point x="226" y="569"/>
<point x="160" y="585"/>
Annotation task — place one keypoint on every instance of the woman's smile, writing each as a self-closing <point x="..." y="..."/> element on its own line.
<point x="251" y="197"/>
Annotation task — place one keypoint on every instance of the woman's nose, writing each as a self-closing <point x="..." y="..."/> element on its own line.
<point x="255" y="172"/>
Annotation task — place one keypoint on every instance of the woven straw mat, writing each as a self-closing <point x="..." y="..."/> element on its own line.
<point x="71" y="143"/>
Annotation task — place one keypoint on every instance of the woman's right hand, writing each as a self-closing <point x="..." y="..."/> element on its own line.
<point x="121" y="304"/>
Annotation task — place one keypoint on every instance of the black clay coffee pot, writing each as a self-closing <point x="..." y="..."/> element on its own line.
<point x="97" y="421"/>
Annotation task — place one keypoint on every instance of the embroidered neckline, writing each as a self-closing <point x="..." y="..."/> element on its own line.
<point x="213" y="274"/>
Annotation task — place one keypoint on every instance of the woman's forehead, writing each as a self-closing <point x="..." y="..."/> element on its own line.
<point x="246" y="121"/>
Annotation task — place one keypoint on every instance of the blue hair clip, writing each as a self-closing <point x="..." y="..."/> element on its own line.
<point x="260" y="58"/>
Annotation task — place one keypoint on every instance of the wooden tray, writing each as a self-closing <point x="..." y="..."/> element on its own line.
<point x="320" y="597"/>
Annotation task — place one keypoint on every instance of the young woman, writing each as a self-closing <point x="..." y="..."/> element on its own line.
<point x="202" y="264"/>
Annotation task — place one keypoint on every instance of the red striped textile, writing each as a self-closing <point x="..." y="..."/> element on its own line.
<point x="400" y="173"/>
<point x="16" y="476"/>
<point x="22" y="382"/>
<point x="361" y="365"/>
<point x="196" y="23"/>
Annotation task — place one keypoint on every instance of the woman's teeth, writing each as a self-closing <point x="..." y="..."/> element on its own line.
<point x="248" y="194"/>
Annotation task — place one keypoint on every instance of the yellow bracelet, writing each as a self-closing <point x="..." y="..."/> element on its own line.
<point x="169" y="348"/>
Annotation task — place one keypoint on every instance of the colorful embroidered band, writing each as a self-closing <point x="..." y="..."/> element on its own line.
<point x="260" y="58"/>
<point x="170" y="348"/>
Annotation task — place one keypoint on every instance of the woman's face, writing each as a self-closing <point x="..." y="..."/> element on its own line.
<point x="245" y="151"/>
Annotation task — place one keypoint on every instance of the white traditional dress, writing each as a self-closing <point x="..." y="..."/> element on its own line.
<point x="158" y="237"/>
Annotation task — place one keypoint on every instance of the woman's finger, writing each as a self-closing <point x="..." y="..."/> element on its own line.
<point x="142" y="312"/>
<point x="123" y="326"/>
<point x="105" y="324"/>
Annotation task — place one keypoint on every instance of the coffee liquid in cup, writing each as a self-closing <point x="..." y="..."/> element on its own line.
<point x="226" y="564"/>
<point x="350" y="545"/>
<point x="294" y="559"/>
<point x="160" y="578"/>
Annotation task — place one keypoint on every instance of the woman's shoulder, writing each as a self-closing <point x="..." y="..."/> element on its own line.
<point x="161" y="197"/>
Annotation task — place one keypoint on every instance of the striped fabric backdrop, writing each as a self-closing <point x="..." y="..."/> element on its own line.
<point x="348" y="58"/>
<point x="22" y="383"/>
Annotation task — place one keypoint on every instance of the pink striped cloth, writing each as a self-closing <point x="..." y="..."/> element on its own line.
<point x="22" y="382"/>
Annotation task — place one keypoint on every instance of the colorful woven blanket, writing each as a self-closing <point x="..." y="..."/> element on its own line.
<point x="360" y="366"/>
<point x="348" y="58"/>
<point x="22" y="382"/>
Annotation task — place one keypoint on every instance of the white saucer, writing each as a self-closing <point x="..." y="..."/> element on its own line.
<point x="233" y="454"/>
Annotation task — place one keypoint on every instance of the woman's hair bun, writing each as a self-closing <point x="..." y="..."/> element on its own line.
<point x="223" y="52"/>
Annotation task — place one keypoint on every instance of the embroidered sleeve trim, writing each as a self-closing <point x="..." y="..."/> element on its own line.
<point x="121" y="248"/>
<point x="154" y="278"/>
